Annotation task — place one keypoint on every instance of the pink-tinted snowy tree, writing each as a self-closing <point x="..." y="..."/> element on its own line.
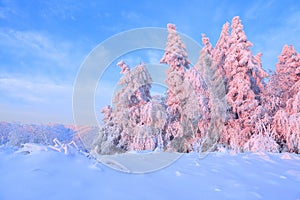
<point x="135" y="122"/>
<point x="282" y="99"/>
<point x="216" y="94"/>
<point x="181" y="100"/>
<point x="244" y="76"/>
<point x="117" y="135"/>
<point x="284" y="78"/>
<point x="197" y="104"/>
<point x="218" y="54"/>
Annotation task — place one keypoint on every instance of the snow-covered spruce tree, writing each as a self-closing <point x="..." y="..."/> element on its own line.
<point x="215" y="108"/>
<point x="149" y="132"/>
<point x="218" y="53"/>
<point x="263" y="137"/>
<point x="284" y="78"/>
<point x="282" y="98"/>
<point x="243" y="86"/>
<point x="292" y="133"/>
<point x="134" y="93"/>
<point x="110" y="139"/>
<point x="135" y="122"/>
<point x="181" y="100"/>
<point x="196" y="107"/>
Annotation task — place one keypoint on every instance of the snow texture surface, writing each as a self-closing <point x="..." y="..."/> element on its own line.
<point x="38" y="172"/>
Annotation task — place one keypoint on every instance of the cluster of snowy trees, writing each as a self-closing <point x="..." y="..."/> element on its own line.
<point x="16" y="134"/>
<point x="222" y="101"/>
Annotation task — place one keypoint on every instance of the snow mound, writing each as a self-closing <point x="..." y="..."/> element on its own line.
<point x="138" y="161"/>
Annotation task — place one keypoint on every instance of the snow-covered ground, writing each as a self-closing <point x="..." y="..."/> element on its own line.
<point x="39" y="172"/>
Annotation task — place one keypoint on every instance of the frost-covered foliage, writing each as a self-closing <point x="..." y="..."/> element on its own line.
<point x="187" y="97"/>
<point x="219" y="52"/>
<point x="178" y="126"/>
<point x="135" y="122"/>
<point x="282" y="99"/>
<point x="217" y="104"/>
<point x="221" y="101"/>
<point x="243" y="76"/>
<point x="263" y="141"/>
<point x="16" y="134"/>
<point x="197" y="109"/>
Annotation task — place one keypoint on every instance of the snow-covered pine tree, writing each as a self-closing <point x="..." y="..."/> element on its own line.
<point x="292" y="133"/>
<point x="215" y="92"/>
<point x="283" y="79"/>
<point x="121" y="121"/>
<point x="179" y="128"/>
<point x="150" y="131"/>
<point x="135" y="122"/>
<point x="219" y="52"/>
<point x="243" y="84"/>
<point x="196" y="107"/>
<point x="284" y="99"/>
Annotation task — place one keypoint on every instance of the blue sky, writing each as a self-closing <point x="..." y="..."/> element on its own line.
<point x="43" y="43"/>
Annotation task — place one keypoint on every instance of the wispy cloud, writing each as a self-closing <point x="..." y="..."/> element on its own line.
<point x="257" y="9"/>
<point x="4" y="12"/>
<point x="63" y="9"/>
<point x="36" y="45"/>
<point x="37" y="71"/>
<point x="33" y="91"/>
<point x="26" y="99"/>
<point x="7" y="9"/>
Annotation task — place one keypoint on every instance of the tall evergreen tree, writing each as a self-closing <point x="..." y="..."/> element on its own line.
<point x="219" y="52"/>
<point x="283" y="99"/>
<point x="123" y="129"/>
<point x="242" y="83"/>
<point x="212" y="72"/>
<point x="179" y="127"/>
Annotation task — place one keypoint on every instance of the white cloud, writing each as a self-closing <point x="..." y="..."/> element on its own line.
<point x="36" y="101"/>
<point x="37" y="45"/>
<point x="64" y="9"/>
<point x="34" y="91"/>
<point x="37" y="76"/>
<point x="256" y="10"/>
<point x="3" y="13"/>
<point x="8" y="8"/>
